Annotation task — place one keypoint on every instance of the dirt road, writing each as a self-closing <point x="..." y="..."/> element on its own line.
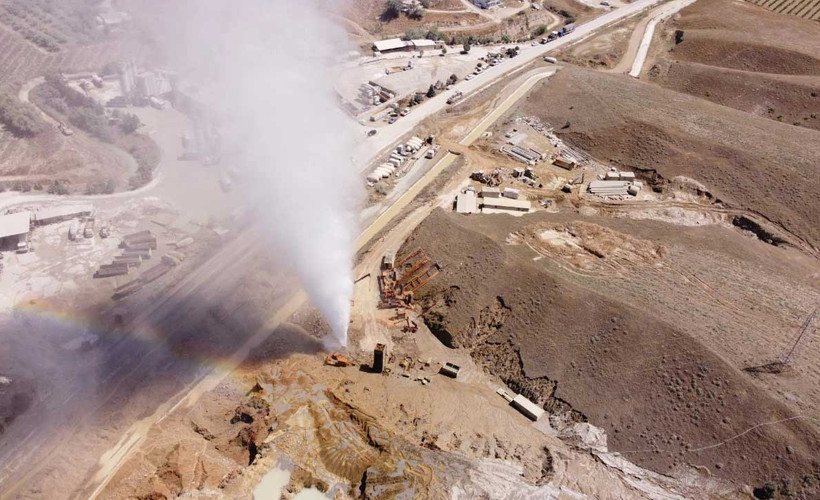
<point x="660" y="14"/>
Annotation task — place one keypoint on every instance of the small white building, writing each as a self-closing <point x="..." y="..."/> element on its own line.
<point x="527" y="407"/>
<point x="14" y="229"/>
<point x="486" y="4"/>
<point x="390" y="45"/>
<point x="152" y="84"/>
<point x="424" y="44"/>
<point x="512" y="193"/>
<point x="467" y="203"/>
<point x="51" y="215"/>
<point x="504" y="205"/>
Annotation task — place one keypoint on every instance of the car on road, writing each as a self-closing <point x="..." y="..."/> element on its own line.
<point x="605" y="4"/>
<point x="371" y="132"/>
<point x="469" y="77"/>
<point x="392" y="120"/>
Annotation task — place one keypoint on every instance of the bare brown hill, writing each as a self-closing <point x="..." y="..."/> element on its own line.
<point x="748" y="162"/>
<point x="786" y="98"/>
<point x="742" y="56"/>
<point x="666" y="401"/>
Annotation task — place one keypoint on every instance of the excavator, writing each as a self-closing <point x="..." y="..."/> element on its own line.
<point x="337" y="359"/>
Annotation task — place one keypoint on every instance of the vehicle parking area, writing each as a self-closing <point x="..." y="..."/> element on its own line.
<point x="402" y="74"/>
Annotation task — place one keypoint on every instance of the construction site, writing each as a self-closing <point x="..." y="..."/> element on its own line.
<point x="582" y="268"/>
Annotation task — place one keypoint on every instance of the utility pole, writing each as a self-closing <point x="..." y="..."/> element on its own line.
<point x="802" y="340"/>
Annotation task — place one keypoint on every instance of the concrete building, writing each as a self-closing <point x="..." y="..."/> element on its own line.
<point x="152" y="84"/>
<point x="424" y="44"/>
<point x="527" y="407"/>
<point x="51" y="215"/>
<point x="467" y="203"/>
<point x="14" y="230"/>
<point x="487" y="4"/>
<point x="504" y="205"/>
<point x="128" y="77"/>
<point x="512" y="193"/>
<point x="450" y="370"/>
<point x="609" y="188"/>
<point x="389" y="260"/>
<point x="564" y="163"/>
<point x="390" y="45"/>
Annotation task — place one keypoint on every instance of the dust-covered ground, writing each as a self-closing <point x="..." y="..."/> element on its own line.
<point x="591" y="347"/>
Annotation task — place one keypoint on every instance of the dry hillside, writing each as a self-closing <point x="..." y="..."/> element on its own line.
<point x="742" y="56"/>
<point x="666" y="401"/>
<point x="664" y="134"/>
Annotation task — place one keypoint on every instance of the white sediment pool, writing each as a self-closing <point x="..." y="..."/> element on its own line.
<point x="271" y="486"/>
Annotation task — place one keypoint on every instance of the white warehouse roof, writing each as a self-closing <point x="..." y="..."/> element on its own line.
<point x="507" y="204"/>
<point x="423" y="44"/>
<point x="527" y="407"/>
<point x="467" y="203"/>
<point x="62" y="211"/>
<point x="15" y="224"/>
<point x="390" y="44"/>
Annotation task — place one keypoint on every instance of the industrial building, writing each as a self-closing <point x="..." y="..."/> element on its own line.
<point x="450" y="370"/>
<point x="616" y="184"/>
<point x="390" y="45"/>
<point x="564" y="163"/>
<point x="486" y="4"/>
<point x="527" y="407"/>
<point x="503" y="205"/>
<point x="467" y="203"/>
<point x="14" y="229"/>
<point x="524" y="155"/>
<point x="152" y="84"/>
<point x="399" y="45"/>
<point x="52" y="215"/>
<point x="389" y="260"/>
<point x="424" y="44"/>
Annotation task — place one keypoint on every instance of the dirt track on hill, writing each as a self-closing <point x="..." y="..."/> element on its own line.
<point x="666" y="401"/>
<point x="663" y="134"/>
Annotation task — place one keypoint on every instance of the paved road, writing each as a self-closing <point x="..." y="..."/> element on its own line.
<point x="368" y="150"/>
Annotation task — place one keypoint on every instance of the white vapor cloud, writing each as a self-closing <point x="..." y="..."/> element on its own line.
<point x="264" y="67"/>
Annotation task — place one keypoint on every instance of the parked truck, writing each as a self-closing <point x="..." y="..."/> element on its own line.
<point x="455" y="97"/>
<point x="88" y="232"/>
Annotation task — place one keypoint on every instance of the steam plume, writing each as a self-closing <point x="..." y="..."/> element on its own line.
<point x="264" y="69"/>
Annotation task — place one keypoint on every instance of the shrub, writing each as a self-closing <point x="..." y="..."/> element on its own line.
<point x="392" y="9"/>
<point x="21" y="119"/>
<point x="130" y="123"/>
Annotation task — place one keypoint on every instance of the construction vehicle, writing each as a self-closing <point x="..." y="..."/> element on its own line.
<point x="64" y="129"/>
<point x="337" y="359"/>
<point x="88" y="231"/>
<point x="455" y="97"/>
<point x="410" y="326"/>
